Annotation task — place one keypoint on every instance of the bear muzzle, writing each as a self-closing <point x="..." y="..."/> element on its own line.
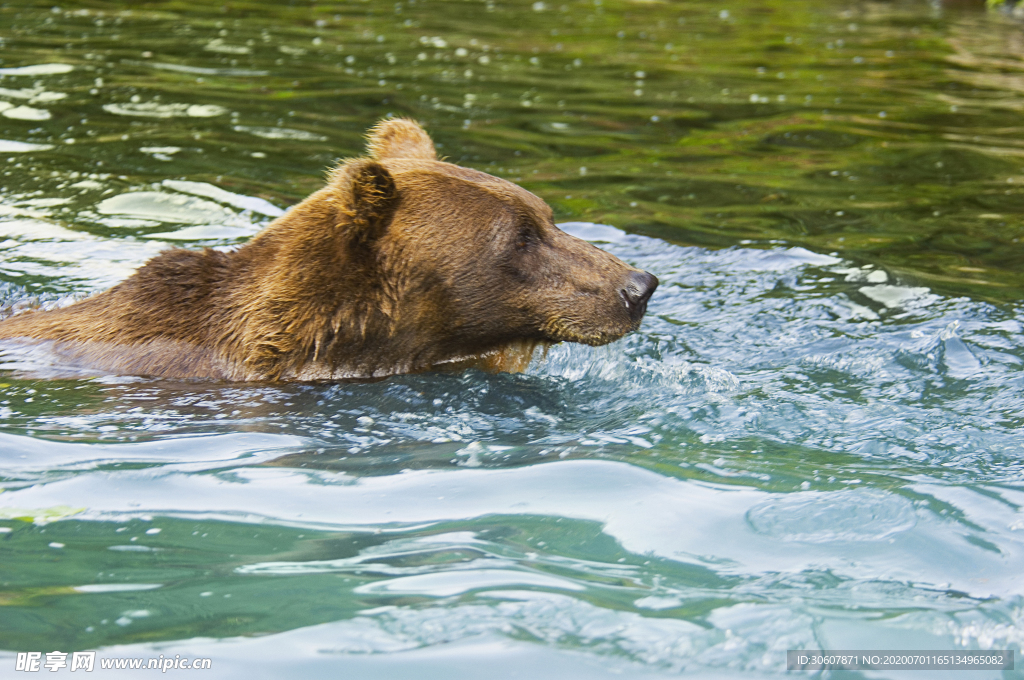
<point x="595" y="318"/>
<point x="639" y="287"/>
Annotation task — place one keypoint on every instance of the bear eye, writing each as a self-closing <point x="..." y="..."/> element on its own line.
<point x="526" y="237"/>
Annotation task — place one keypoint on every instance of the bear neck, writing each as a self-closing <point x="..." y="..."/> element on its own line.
<point x="315" y="303"/>
<point x="302" y="296"/>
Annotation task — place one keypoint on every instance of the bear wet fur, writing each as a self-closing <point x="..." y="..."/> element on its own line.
<point x="401" y="263"/>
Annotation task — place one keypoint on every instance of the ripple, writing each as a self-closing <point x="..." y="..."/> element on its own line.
<point x="166" y="207"/>
<point x="37" y="70"/>
<point x="463" y="581"/>
<point x="9" y="146"/>
<point x="26" y="113"/>
<point x="824" y="517"/>
<point x="257" y="205"/>
<point x="202" y="71"/>
<point x="222" y="47"/>
<point x="281" y="133"/>
<point x="899" y="296"/>
<point x="117" y="587"/>
<point x="156" y="110"/>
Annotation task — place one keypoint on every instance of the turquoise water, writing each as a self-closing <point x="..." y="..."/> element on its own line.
<point x="814" y="442"/>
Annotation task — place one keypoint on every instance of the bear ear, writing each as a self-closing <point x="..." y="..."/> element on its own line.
<point x="374" y="197"/>
<point x="400" y="138"/>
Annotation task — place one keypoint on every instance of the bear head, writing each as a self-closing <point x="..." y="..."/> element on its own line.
<point x="439" y="265"/>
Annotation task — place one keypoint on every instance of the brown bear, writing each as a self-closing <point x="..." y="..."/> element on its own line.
<point x="401" y="263"/>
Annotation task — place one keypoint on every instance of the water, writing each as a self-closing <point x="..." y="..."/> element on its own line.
<point x="813" y="442"/>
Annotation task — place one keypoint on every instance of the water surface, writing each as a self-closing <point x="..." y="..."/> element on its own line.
<point x="813" y="442"/>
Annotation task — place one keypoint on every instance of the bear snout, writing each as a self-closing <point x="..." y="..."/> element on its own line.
<point x="637" y="291"/>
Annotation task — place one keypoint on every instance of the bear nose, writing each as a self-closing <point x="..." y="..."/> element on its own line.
<point x="638" y="290"/>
